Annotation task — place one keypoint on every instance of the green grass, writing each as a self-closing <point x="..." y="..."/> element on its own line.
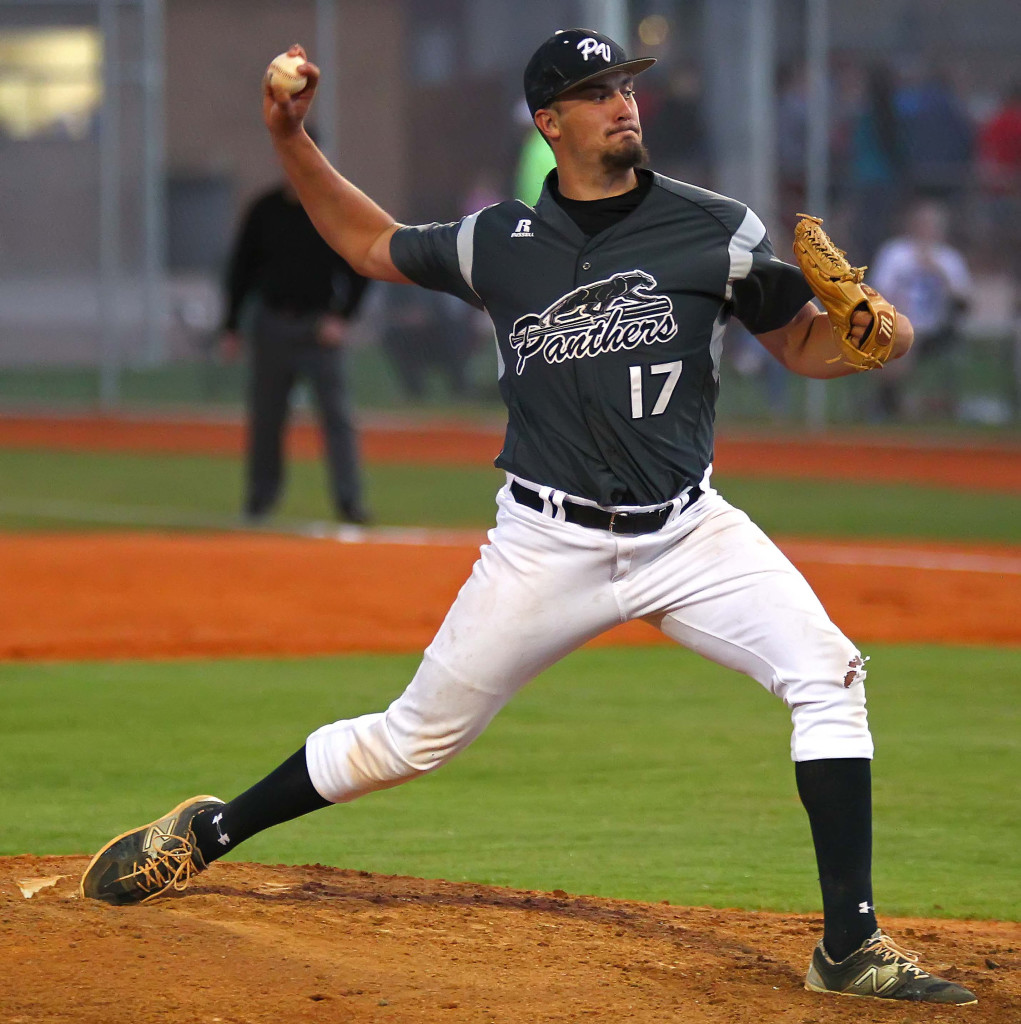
<point x="856" y="509"/>
<point x="50" y="489"/>
<point x="642" y="773"/>
<point x="205" y="382"/>
<point x="209" y="383"/>
<point x="647" y="774"/>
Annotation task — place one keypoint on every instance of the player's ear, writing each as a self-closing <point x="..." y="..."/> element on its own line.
<point x="548" y="123"/>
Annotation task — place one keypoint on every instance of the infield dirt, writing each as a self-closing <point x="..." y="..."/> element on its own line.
<point x="270" y="943"/>
<point x="261" y="943"/>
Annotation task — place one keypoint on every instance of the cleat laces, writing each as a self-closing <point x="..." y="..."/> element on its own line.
<point x="906" y="960"/>
<point x="166" y="868"/>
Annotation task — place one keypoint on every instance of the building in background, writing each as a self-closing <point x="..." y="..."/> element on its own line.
<point x="419" y="98"/>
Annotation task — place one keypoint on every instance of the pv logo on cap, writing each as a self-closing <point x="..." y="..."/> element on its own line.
<point x="590" y="47"/>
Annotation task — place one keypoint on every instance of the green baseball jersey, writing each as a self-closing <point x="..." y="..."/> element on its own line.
<point x="608" y="348"/>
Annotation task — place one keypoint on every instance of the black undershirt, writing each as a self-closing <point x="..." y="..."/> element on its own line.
<point x="595" y="215"/>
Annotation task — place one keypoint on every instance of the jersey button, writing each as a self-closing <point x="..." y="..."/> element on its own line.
<point x="586" y="266"/>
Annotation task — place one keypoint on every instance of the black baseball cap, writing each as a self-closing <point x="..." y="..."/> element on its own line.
<point x="570" y="57"/>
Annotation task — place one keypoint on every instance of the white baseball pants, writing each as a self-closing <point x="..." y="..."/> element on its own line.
<point x="709" y="579"/>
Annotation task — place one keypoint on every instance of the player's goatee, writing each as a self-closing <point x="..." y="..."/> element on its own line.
<point x="631" y="154"/>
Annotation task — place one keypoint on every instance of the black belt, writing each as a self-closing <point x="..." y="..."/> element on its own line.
<point x="599" y="518"/>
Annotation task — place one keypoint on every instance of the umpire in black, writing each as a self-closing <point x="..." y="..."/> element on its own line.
<point x="295" y="297"/>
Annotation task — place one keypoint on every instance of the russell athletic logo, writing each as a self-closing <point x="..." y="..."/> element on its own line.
<point x="523" y="230"/>
<point x="614" y="315"/>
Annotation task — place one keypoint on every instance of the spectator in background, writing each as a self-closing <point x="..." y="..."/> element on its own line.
<point x="429" y="334"/>
<point x="535" y="159"/>
<point x="999" y="159"/>
<point x="423" y="332"/>
<point x="875" y="164"/>
<point x="928" y="281"/>
<point x="791" y="140"/>
<point x="938" y="137"/>
<point x="674" y="130"/>
<point x="752" y="361"/>
<point x="1000" y="146"/>
<point x="295" y="296"/>
<point x="483" y="191"/>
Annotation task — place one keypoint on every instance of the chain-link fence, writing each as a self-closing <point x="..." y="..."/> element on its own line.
<point x="131" y="141"/>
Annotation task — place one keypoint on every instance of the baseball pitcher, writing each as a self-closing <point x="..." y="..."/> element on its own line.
<point x="609" y="300"/>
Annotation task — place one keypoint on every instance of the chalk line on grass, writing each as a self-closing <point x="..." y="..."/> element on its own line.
<point x="803" y="551"/>
<point x="865" y="554"/>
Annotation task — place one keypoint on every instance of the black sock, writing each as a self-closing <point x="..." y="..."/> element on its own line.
<point x="286" y="793"/>
<point x="837" y="795"/>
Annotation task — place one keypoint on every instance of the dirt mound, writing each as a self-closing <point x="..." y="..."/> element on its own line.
<point x="275" y="943"/>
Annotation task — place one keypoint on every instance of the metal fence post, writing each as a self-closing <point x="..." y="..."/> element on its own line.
<point x="154" y="182"/>
<point x="817" y="156"/>
<point x="109" y="211"/>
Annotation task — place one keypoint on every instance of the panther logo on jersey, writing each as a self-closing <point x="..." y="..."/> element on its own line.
<point x="614" y="315"/>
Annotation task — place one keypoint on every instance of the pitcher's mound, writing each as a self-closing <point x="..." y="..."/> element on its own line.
<point x="273" y="943"/>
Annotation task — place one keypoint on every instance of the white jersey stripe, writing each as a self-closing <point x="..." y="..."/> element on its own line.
<point x="466" y="260"/>
<point x="500" y="367"/>
<point x="466" y="248"/>
<point x="747" y="236"/>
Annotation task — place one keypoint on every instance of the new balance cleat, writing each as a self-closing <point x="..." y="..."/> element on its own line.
<point x="880" y="969"/>
<point x="140" y="864"/>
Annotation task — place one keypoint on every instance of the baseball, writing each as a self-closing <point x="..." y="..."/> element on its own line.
<point x="282" y="74"/>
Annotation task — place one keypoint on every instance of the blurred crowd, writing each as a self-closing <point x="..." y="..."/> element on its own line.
<point x="924" y="189"/>
<point x="906" y="134"/>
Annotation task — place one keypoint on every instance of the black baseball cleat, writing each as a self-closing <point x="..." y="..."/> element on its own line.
<point x="355" y="514"/>
<point x="880" y="969"/>
<point x="138" y="865"/>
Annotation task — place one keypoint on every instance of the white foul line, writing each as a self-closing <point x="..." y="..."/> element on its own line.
<point x="900" y="558"/>
<point x="797" y="550"/>
<point x="154" y="516"/>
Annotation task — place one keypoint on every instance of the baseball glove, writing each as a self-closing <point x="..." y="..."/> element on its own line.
<point x="842" y="291"/>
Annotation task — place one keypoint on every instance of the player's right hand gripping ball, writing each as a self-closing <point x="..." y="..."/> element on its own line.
<point x="282" y="74"/>
<point x="842" y="291"/>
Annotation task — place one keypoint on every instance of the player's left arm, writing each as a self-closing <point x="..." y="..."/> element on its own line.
<point x="809" y="346"/>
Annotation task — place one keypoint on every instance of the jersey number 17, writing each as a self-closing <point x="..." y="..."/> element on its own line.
<point x="673" y="375"/>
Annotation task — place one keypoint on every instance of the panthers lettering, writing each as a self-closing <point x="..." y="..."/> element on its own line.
<point x="617" y="314"/>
